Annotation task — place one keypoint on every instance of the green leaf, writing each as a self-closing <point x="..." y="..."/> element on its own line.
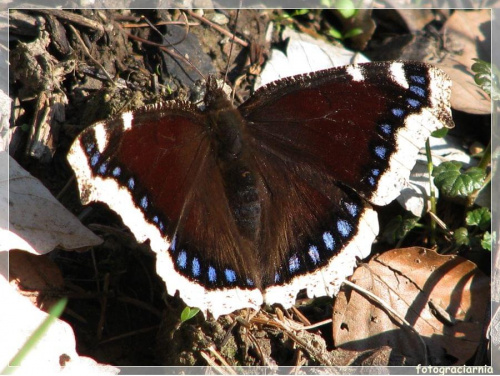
<point x="398" y="227"/>
<point x="353" y="32"/>
<point x="346" y="8"/>
<point x="486" y="241"/>
<point x="326" y="3"/>
<point x="479" y="217"/>
<point x="485" y="77"/>
<point x="440" y="133"/>
<point x="453" y="183"/>
<point x="335" y="33"/>
<point x="188" y="313"/>
<point x="461" y="236"/>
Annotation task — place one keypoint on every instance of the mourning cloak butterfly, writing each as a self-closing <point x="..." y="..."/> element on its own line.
<point x="252" y="204"/>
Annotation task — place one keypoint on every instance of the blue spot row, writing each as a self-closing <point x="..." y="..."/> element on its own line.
<point x="419" y="89"/>
<point x="194" y="268"/>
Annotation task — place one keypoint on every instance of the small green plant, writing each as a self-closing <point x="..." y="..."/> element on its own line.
<point x="188" y="313"/>
<point x="454" y="182"/>
<point x="486" y="77"/>
<point x="475" y="234"/>
<point x="347" y="10"/>
<point x="292" y="14"/>
<point x="398" y="227"/>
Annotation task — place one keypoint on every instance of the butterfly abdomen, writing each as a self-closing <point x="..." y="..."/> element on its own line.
<point x="226" y="126"/>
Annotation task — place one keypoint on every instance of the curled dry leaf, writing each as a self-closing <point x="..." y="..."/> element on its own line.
<point x="444" y="298"/>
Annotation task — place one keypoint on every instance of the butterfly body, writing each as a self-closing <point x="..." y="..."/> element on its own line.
<point x="251" y="204"/>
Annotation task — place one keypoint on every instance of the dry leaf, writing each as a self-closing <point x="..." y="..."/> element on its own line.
<point x="444" y="298"/>
<point x="37" y="277"/>
<point x="473" y="41"/>
<point x="38" y="218"/>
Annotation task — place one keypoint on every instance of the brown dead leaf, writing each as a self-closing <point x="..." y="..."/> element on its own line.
<point x="444" y="298"/>
<point x="37" y="277"/>
<point x="467" y="43"/>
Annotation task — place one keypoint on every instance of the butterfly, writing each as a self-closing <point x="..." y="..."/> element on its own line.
<point x="251" y="204"/>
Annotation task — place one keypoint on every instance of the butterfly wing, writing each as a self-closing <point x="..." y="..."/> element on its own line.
<point x="156" y="169"/>
<point x="321" y="138"/>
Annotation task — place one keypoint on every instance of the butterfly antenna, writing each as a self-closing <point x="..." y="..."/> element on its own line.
<point x="232" y="43"/>
<point x="177" y="54"/>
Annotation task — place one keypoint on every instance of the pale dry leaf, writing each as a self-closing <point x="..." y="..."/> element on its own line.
<point x="18" y="320"/>
<point x="38" y="218"/>
<point x="444" y="298"/>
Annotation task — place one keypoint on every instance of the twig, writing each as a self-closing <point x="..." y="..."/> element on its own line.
<point x="72" y="17"/>
<point x="87" y="52"/>
<point x="388" y="308"/>
<point x="218" y="28"/>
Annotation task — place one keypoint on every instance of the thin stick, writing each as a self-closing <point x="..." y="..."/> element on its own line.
<point x="218" y="28"/>
<point x="87" y="52"/>
<point x="389" y="309"/>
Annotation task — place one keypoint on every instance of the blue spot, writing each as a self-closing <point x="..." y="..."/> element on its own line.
<point x="90" y="147"/>
<point x="182" y="259"/>
<point x="371" y="181"/>
<point x="144" y="202"/>
<point x="103" y="168"/>
<point x="386" y="128"/>
<point x="329" y="241"/>
<point x="117" y="171"/>
<point x="375" y="172"/>
<point x="250" y="282"/>
<point x="380" y="151"/>
<point x="418" y="91"/>
<point x="276" y="277"/>
<point x="294" y="264"/>
<point x="314" y="254"/>
<point x="418" y="79"/>
<point x="174" y="240"/>
<point x="131" y="183"/>
<point x="155" y="219"/>
<point x="397" y="112"/>
<point x="413" y="102"/>
<point x="195" y="267"/>
<point x="95" y="159"/>
<point x="161" y="226"/>
<point x="351" y="208"/>
<point x="230" y="275"/>
<point x="212" y="275"/>
<point x="344" y="228"/>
